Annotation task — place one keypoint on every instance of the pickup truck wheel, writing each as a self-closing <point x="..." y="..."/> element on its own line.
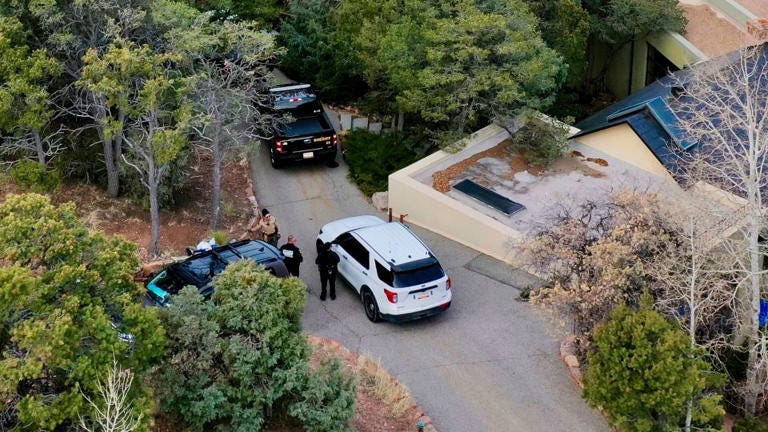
<point x="370" y="305"/>
<point x="273" y="159"/>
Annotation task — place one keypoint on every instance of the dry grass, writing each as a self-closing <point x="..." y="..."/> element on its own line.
<point x="375" y="379"/>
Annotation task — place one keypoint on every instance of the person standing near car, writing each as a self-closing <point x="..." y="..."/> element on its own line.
<point x="328" y="265"/>
<point x="268" y="228"/>
<point x="292" y="255"/>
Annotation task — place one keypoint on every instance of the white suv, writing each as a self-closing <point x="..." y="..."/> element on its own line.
<point x="397" y="276"/>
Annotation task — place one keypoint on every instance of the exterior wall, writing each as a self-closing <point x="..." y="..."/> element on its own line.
<point x="440" y="213"/>
<point x="618" y="73"/>
<point x="630" y="64"/>
<point x="639" y="66"/>
<point x="676" y="48"/>
<point x="621" y="142"/>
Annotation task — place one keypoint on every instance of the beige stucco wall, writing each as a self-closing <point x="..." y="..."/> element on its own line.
<point x="623" y="143"/>
<point x="442" y="214"/>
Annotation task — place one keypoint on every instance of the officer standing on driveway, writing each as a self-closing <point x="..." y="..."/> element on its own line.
<point x="292" y="255"/>
<point x="327" y="263"/>
<point x="267" y="225"/>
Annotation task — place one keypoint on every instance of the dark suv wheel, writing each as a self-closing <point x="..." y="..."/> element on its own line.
<point x="276" y="164"/>
<point x="370" y="305"/>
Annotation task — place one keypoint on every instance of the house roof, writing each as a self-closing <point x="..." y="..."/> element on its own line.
<point x="654" y="113"/>
<point x="649" y="114"/>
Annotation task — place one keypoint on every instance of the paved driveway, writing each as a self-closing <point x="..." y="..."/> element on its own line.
<point x="489" y="363"/>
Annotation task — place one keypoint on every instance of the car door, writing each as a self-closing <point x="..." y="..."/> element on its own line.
<point x="354" y="260"/>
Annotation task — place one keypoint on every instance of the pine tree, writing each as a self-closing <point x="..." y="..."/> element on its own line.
<point x="644" y="373"/>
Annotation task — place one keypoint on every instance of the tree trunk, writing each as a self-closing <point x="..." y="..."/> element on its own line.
<point x="39" y="148"/>
<point x="113" y="173"/>
<point x="750" y="322"/>
<point x="692" y="305"/>
<point x="154" y="211"/>
<point x="111" y="158"/>
<point x="400" y="121"/>
<point x="218" y="157"/>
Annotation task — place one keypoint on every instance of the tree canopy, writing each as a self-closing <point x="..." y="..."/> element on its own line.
<point x="26" y="107"/>
<point x="66" y="294"/>
<point x="643" y="372"/>
<point x="617" y="22"/>
<point x="233" y="359"/>
<point x="449" y="66"/>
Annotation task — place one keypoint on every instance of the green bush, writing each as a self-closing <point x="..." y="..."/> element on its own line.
<point x="326" y="401"/>
<point x="237" y="359"/>
<point x="372" y="158"/>
<point x="34" y="177"/>
<point x="541" y="142"/>
<point x="62" y="291"/>
<point x="643" y="372"/>
<point x="750" y="424"/>
<point x="221" y="237"/>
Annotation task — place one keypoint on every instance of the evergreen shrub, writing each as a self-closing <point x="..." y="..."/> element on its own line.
<point x="643" y="371"/>
<point x="34" y="177"/>
<point x="372" y="158"/>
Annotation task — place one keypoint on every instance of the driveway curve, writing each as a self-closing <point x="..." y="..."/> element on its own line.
<point x="488" y="364"/>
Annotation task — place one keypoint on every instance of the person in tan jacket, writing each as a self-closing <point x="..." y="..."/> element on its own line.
<point x="267" y="228"/>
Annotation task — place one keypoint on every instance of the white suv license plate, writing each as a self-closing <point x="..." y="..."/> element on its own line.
<point x="308" y="155"/>
<point x="422" y="296"/>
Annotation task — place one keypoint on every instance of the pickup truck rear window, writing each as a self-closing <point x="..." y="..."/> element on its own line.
<point x="418" y="276"/>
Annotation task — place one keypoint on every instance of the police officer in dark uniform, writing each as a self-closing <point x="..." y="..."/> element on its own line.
<point x="327" y="263"/>
<point x="292" y="255"/>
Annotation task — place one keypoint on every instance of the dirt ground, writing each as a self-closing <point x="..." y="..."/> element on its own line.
<point x="185" y="226"/>
<point x="181" y="227"/>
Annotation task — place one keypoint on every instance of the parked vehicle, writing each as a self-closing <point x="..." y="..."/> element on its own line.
<point x="199" y="269"/>
<point x="394" y="272"/>
<point x="308" y="133"/>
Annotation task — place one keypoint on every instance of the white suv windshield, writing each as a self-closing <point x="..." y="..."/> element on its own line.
<point x="418" y="276"/>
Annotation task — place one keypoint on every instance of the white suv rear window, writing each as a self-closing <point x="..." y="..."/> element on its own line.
<point x="418" y="276"/>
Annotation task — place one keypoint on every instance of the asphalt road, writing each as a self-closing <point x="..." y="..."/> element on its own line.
<point x="489" y="363"/>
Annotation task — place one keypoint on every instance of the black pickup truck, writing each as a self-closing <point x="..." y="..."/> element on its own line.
<point x="305" y="132"/>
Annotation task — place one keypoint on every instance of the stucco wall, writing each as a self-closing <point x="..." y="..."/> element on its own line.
<point x="623" y="143"/>
<point x="440" y="213"/>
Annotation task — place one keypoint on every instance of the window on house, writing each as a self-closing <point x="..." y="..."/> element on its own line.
<point x="657" y="66"/>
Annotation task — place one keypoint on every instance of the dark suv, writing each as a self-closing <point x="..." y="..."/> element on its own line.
<point x="199" y="269"/>
<point x="309" y="135"/>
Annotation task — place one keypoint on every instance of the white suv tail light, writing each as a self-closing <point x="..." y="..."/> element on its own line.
<point x="391" y="296"/>
<point x="448" y="284"/>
